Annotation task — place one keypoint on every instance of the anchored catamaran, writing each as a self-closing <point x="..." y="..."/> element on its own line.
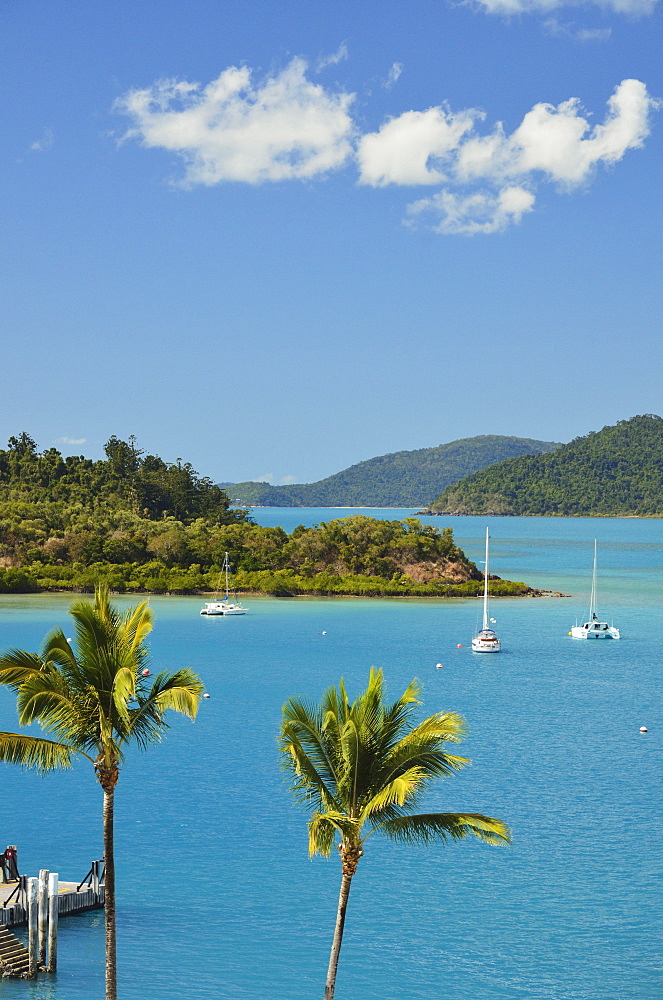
<point x="224" y="607"/>
<point x="594" y="628"/>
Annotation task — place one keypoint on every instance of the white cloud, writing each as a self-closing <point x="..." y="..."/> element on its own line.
<point x="266" y="477"/>
<point x="393" y="75"/>
<point x="46" y="141"/>
<point x="232" y="130"/>
<point x="558" y="142"/>
<point x="555" y="144"/>
<point x="412" y="148"/>
<point x="287" y="480"/>
<point x="635" y="8"/>
<point x="335" y="58"/>
<point x="286" y="127"/>
<point x="480" y="212"/>
<point x="561" y="29"/>
<point x="68" y="440"/>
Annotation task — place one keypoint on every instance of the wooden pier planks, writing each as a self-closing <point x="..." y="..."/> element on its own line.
<point x="70" y="901"/>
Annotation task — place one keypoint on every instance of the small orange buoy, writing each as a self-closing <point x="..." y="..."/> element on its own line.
<point x="643" y="729"/>
<point x="459" y="645"/>
<point x="145" y="672"/>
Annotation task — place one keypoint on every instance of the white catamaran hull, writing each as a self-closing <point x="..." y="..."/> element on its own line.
<point x="226" y="606"/>
<point x="595" y="630"/>
<point x="222" y="609"/>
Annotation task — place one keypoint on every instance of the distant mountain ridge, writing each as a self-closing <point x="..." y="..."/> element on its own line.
<point x="399" y="479"/>
<point x="617" y="471"/>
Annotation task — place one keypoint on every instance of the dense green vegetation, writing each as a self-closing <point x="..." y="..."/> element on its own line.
<point x="126" y="480"/>
<point x="401" y="479"/>
<point x="617" y="471"/>
<point x="138" y="525"/>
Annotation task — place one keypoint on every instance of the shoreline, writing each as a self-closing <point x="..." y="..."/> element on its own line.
<point x="533" y="592"/>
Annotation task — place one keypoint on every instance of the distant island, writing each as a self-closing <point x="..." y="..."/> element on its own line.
<point x="399" y="479"/>
<point x="143" y="525"/>
<point x="614" y="472"/>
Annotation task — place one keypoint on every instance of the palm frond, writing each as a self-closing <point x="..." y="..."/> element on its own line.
<point x="136" y="626"/>
<point x="57" y="650"/>
<point x="306" y="725"/>
<point x="16" y="665"/>
<point x="124" y="688"/>
<point x="428" y="827"/>
<point x="180" y="692"/>
<point x="368" y="763"/>
<point x="323" y="827"/>
<point x="46" y="697"/>
<point x="34" y="752"/>
<point x="310" y="783"/>
<point x="321" y="835"/>
<point x="397" y="792"/>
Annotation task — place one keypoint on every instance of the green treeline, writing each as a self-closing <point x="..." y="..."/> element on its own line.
<point x="617" y="471"/>
<point x="139" y="524"/>
<point x="400" y="479"/>
<point x="127" y="479"/>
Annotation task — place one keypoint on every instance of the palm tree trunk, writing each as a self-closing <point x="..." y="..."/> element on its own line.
<point x="330" y="985"/>
<point x="109" y="911"/>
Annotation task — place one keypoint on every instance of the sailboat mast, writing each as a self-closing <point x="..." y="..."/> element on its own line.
<point x="592" y="599"/>
<point x="227" y="570"/>
<point x="485" y="588"/>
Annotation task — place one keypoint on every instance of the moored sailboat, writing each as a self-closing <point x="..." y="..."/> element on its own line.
<point x="486" y="641"/>
<point x="226" y="606"/>
<point x="594" y="628"/>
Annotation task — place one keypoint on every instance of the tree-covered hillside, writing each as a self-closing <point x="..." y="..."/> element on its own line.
<point x="140" y="524"/>
<point x="400" y="479"/>
<point x="617" y="471"/>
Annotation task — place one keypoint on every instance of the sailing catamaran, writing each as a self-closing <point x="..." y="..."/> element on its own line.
<point x="486" y="641"/>
<point x="594" y="629"/>
<point x="224" y="607"/>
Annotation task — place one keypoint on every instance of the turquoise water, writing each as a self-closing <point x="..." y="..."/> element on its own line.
<point x="217" y="897"/>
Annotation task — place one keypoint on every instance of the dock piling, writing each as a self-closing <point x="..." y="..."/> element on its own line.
<point x="42" y="916"/>
<point x="33" y="889"/>
<point x="53" y="890"/>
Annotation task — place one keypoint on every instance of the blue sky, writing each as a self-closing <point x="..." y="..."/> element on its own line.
<point x="276" y="239"/>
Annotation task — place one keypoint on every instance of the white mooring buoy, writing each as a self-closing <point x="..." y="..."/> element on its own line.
<point x="643" y="729"/>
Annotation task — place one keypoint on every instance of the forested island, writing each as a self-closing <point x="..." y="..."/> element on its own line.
<point x="399" y="479"/>
<point x="614" y="472"/>
<point x="143" y="525"/>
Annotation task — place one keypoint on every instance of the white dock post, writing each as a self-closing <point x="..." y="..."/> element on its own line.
<point x="33" y="888"/>
<point x="53" y="887"/>
<point x="95" y="880"/>
<point x="42" y="916"/>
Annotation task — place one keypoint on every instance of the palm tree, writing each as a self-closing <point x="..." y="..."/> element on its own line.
<point x="362" y="768"/>
<point x="94" y="699"/>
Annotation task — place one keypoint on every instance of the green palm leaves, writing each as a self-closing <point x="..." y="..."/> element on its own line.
<point x="92" y="697"/>
<point x="362" y="768"/>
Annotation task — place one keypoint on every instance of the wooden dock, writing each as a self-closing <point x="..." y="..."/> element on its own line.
<point x="71" y="899"/>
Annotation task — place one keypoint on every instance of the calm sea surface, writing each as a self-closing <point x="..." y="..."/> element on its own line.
<point x="217" y="897"/>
